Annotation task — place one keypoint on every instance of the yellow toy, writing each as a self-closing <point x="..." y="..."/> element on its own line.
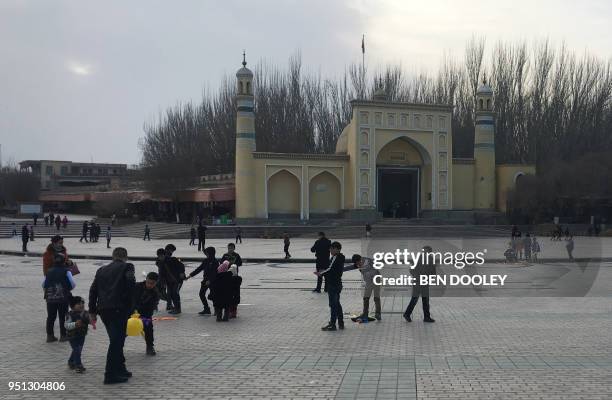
<point x="135" y="326"/>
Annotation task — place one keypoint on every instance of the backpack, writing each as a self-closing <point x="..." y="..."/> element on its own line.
<point x="56" y="291"/>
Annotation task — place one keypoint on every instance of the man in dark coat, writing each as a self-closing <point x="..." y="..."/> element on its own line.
<point x="173" y="271"/>
<point x="231" y="256"/>
<point x="209" y="266"/>
<point x="84" y="232"/>
<point x="321" y="250"/>
<point x="111" y="296"/>
<point x="333" y="283"/>
<point x="201" y="236"/>
<point x="423" y="268"/>
<point x="25" y="238"/>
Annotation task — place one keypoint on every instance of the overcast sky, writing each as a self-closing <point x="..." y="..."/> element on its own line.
<point x="79" y="78"/>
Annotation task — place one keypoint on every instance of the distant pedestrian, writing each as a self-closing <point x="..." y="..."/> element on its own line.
<point x="368" y="231"/>
<point x="527" y="247"/>
<point x="46" y="218"/>
<point x="231" y="256"/>
<point x="201" y="237"/>
<point x="113" y="220"/>
<point x="65" y="222"/>
<point x="569" y="246"/>
<point x="238" y="235"/>
<point x="321" y="250"/>
<point x="13" y="230"/>
<point x="58" y="222"/>
<point x="92" y="232"/>
<point x="535" y="249"/>
<point x="108" y="237"/>
<point x="192" y="235"/>
<point x="35" y="218"/>
<point x="31" y="233"/>
<point x="84" y="231"/>
<point x="51" y="218"/>
<point x="286" y="244"/>
<point x="147" y="232"/>
<point x="25" y="238"/>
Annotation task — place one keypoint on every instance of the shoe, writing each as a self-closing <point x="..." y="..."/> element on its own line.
<point x="115" y="379"/>
<point x="63" y="338"/>
<point x="169" y="308"/>
<point x="71" y="365"/>
<point x="329" y="327"/>
<point x="316" y="291"/>
<point x="407" y="318"/>
<point x="51" y="338"/>
<point x="378" y="317"/>
<point x="174" y="311"/>
<point x="205" y="311"/>
<point x="126" y="374"/>
<point x="79" y="369"/>
<point x="429" y="320"/>
<point x="340" y="324"/>
<point x="151" y="351"/>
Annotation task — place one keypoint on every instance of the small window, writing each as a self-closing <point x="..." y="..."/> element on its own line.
<point x="488" y="104"/>
<point x="481" y="104"/>
<point x="241" y="88"/>
<point x="248" y="87"/>
<point x="49" y="170"/>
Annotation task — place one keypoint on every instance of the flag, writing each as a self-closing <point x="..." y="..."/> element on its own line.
<point x="363" y="44"/>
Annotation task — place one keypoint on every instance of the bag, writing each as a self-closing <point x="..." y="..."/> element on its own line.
<point x="74" y="269"/>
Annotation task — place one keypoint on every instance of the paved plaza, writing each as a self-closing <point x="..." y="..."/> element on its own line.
<point x="479" y="348"/>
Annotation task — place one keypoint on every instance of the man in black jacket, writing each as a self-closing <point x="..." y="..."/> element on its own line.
<point x="209" y="266"/>
<point x="111" y="296"/>
<point x="25" y="238"/>
<point x="231" y="256"/>
<point x="321" y="250"/>
<point x="84" y="230"/>
<point x="333" y="283"/>
<point x="201" y="236"/>
<point x="146" y="299"/>
<point x="423" y="268"/>
<point x="174" y="274"/>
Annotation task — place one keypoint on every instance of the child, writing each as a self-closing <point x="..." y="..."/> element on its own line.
<point x="108" y="237"/>
<point x="238" y="235"/>
<point x="222" y="291"/>
<point x="235" y="288"/>
<point x="146" y="299"/>
<point x="231" y="256"/>
<point x="286" y="244"/>
<point x="76" y="328"/>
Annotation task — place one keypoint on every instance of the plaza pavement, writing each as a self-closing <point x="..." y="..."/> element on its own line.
<point x="479" y="348"/>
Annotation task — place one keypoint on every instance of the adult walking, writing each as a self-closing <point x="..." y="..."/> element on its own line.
<point x="57" y="285"/>
<point x="109" y="236"/>
<point x="147" y="232"/>
<point x="321" y="249"/>
<point x="58" y="222"/>
<point x="84" y="230"/>
<point x="423" y="268"/>
<point x="173" y="274"/>
<point x="209" y="268"/>
<point x="192" y="235"/>
<point x="201" y="236"/>
<point x="333" y="283"/>
<point x="110" y="296"/>
<point x="25" y="238"/>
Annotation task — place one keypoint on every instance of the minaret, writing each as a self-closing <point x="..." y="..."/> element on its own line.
<point x="245" y="143"/>
<point x="484" y="149"/>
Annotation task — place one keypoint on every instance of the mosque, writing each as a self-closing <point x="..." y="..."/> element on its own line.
<point x="393" y="160"/>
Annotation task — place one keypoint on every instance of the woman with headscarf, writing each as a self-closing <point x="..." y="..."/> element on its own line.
<point x="222" y="291"/>
<point x="235" y="288"/>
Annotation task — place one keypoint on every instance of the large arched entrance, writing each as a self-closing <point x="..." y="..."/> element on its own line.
<point x="324" y="195"/>
<point x="283" y="195"/>
<point x="400" y="173"/>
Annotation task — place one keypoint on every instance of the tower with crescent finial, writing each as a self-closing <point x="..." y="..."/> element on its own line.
<point x="245" y="143"/>
<point x="484" y="149"/>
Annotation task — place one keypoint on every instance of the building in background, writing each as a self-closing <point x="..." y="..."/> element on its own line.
<point x="58" y="175"/>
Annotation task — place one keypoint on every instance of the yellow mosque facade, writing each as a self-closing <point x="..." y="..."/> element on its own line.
<point x="393" y="160"/>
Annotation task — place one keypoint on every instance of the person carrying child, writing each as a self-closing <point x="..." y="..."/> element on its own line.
<point x="235" y="289"/>
<point x="76" y="326"/>
<point x="57" y="286"/>
<point x="222" y="292"/>
<point x="146" y="299"/>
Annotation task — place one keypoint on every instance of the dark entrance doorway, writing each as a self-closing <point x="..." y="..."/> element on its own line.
<point x="398" y="192"/>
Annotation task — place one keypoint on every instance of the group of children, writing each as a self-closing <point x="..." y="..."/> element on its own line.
<point x="520" y="247"/>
